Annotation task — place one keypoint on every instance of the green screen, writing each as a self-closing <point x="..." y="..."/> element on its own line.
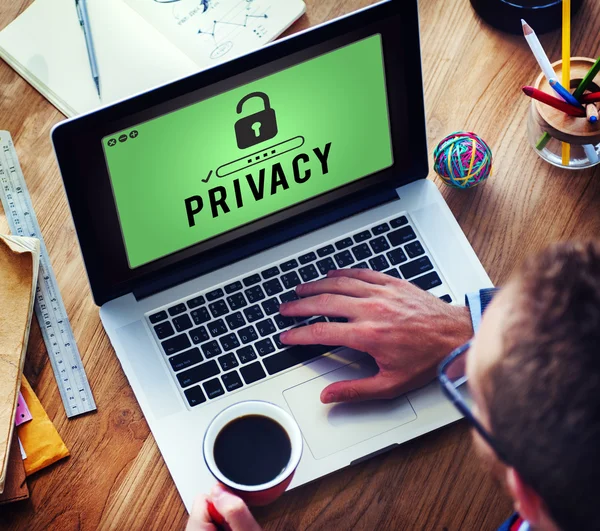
<point x="203" y="170"/>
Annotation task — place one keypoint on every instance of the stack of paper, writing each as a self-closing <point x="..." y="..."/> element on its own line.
<point x="19" y="262"/>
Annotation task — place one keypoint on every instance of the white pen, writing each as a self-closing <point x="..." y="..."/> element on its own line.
<point x="538" y="51"/>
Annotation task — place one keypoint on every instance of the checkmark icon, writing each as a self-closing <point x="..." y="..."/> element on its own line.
<point x="208" y="177"/>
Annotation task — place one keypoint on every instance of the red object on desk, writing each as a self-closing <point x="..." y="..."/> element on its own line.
<point x="592" y="97"/>
<point x="546" y="98"/>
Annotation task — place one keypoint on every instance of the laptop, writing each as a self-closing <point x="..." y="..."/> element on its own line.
<point x="201" y="204"/>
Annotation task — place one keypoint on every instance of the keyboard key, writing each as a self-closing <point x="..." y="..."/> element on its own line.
<point x="306" y="258"/>
<point x="400" y="236"/>
<point x="265" y="346"/>
<point x="416" y="267"/>
<point x="199" y="335"/>
<point x="255" y="294"/>
<point x="214" y="294"/>
<point x="380" y="229"/>
<point x="361" y="265"/>
<point x="213" y="388"/>
<point x="218" y="308"/>
<point x="216" y="328"/>
<point x="236" y="301"/>
<point x="428" y="281"/>
<point x="164" y="330"/>
<point x="294" y="356"/>
<point x="253" y="372"/>
<point x="233" y="287"/>
<point x="344" y="259"/>
<point x="361" y="251"/>
<point x="289" y="296"/>
<point x="232" y="381"/>
<point x="157" y="317"/>
<point x="379" y="263"/>
<point x="253" y="313"/>
<point x="308" y="272"/>
<point x="177" y="309"/>
<point x="186" y="359"/>
<point x="200" y="316"/>
<point x="199" y="373"/>
<point x="398" y="222"/>
<point x="278" y="343"/>
<point x="283" y="322"/>
<point x="290" y="280"/>
<point x="397" y="256"/>
<point x="176" y="344"/>
<point x="393" y="273"/>
<point x="344" y="244"/>
<point x="272" y="287"/>
<point x="446" y="298"/>
<point x="211" y="349"/>
<point x="194" y="396"/>
<point x="288" y="265"/>
<point x="362" y="236"/>
<point x="229" y="342"/>
<point x="327" y="264"/>
<point x="228" y="361"/>
<point x="195" y="302"/>
<point x="266" y="327"/>
<point x="414" y="249"/>
<point x="248" y="334"/>
<point x="251" y="280"/>
<point x="183" y="322"/>
<point x="320" y="319"/>
<point x="271" y="306"/>
<point x="379" y="244"/>
<point x="270" y="273"/>
<point x="324" y="251"/>
<point x="235" y="320"/>
<point x="246" y="354"/>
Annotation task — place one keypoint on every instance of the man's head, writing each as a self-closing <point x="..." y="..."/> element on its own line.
<point x="534" y="372"/>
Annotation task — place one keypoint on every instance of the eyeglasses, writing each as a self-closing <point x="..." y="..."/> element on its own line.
<point x="453" y="379"/>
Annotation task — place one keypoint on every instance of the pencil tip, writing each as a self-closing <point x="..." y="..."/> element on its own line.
<point x="527" y="30"/>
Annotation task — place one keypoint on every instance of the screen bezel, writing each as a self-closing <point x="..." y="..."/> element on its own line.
<point x="79" y="151"/>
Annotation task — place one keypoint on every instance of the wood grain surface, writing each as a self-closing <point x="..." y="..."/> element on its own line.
<point x="115" y="477"/>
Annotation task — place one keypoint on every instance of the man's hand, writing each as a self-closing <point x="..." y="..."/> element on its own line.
<point x="408" y="331"/>
<point x="232" y="509"/>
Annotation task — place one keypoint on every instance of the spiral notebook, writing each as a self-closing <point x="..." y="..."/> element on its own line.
<point x="140" y="44"/>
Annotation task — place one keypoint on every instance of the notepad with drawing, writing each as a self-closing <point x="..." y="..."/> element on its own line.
<point x="139" y="44"/>
<point x="19" y="261"/>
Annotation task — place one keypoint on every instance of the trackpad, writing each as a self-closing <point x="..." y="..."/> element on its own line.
<point x="329" y="428"/>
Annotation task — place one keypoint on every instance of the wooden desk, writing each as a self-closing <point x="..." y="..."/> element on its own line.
<point x="116" y="478"/>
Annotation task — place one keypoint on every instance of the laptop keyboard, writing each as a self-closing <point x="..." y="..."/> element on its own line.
<point x="226" y="338"/>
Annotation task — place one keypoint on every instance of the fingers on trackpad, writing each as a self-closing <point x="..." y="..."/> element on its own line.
<point x="330" y="428"/>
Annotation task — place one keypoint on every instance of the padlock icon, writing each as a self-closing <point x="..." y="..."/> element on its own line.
<point x="257" y="127"/>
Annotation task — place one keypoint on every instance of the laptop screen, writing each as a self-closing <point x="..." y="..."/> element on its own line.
<point x="218" y="164"/>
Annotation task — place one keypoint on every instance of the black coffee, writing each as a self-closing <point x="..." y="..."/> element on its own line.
<point x="252" y="450"/>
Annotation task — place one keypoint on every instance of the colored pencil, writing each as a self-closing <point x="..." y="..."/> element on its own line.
<point x="591" y="112"/>
<point x="592" y="97"/>
<point x="564" y="93"/>
<point x="566" y="67"/>
<point x="546" y="98"/>
<point x="590" y="152"/>
<point x="585" y="82"/>
<point x="538" y="51"/>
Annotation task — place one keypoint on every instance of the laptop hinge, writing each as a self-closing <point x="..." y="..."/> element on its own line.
<point x="249" y="245"/>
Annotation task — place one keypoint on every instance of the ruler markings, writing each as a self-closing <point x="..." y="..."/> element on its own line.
<point x="49" y="308"/>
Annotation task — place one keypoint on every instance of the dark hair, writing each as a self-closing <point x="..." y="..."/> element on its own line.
<point x="544" y="397"/>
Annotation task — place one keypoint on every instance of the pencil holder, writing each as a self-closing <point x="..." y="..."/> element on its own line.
<point x="548" y="128"/>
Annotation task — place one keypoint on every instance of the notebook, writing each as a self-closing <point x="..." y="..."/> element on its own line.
<point x="139" y="44"/>
<point x="19" y="261"/>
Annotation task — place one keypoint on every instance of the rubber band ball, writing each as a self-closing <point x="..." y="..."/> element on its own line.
<point x="463" y="160"/>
